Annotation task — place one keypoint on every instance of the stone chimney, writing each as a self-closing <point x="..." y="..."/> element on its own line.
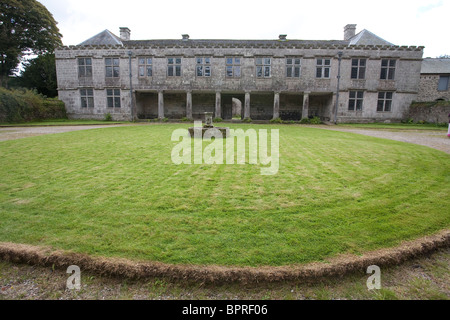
<point x="349" y="31"/>
<point x="125" y="33"/>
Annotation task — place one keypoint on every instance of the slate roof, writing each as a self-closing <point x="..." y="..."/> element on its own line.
<point x="435" y="66"/>
<point x="365" y="37"/>
<point x="105" y="37"/>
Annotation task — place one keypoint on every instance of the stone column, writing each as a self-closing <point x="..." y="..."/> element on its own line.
<point x="276" y="105"/>
<point x="305" y="111"/>
<point x="160" y="105"/>
<point x="218" y="113"/>
<point x="247" y="105"/>
<point x="189" y="105"/>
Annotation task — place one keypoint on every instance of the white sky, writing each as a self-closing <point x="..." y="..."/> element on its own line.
<point x="411" y="22"/>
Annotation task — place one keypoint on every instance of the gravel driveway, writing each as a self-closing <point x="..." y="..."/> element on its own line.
<point x="430" y="138"/>
<point x="12" y="133"/>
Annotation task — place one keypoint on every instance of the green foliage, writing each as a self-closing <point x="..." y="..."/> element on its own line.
<point x="276" y="120"/>
<point x="185" y="119"/>
<point x="315" y="120"/>
<point x="108" y="117"/>
<point x="26" y="27"/>
<point x="247" y="120"/>
<point x="304" y="121"/>
<point x="218" y="119"/>
<point x="26" y="105"/>
<point x="40" y="74"/>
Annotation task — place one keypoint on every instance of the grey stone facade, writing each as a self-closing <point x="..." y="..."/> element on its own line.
<point x="290" y="79"/>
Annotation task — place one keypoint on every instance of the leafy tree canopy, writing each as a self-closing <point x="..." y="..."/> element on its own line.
<point x="26" y="27"/>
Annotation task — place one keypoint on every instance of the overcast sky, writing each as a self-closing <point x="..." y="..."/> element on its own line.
<point x="411" y="22"/>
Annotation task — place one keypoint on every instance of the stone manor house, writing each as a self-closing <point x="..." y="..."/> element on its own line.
<point x="366" y="77"/>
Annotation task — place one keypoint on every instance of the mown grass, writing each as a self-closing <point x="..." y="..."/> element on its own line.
<point x="116" y="192"/>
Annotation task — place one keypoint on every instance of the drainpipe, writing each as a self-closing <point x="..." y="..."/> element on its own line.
<point x="340" y="53"/>
<point x="131" y="87"/>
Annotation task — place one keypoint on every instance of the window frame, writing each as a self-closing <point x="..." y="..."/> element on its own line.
<point x="292" y="67"/>
<point x="441" y="82"/>
<point x="204" y="65"/>
<point x="323" y="67"/>
<point x="388" y="71"/>
<point x="233" y="68"/>
<point x="85" y="67"/>
<point x="145" y="67"/>
<point x="174" y="69"/>
<point x="385" y="101"/>
<point x="358" y="71"/>
<point x="113" y="95"/>
<point x="355" y="103"/>
<point x="113" y="68"/>
<point x="263" y="68"/>
<point x="87" y="98"/>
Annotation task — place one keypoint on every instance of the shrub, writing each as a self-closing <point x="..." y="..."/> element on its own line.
<point x="248" y="120"/>
<point x="26" y="105"/>
<point x="218" y="119"/>
<point x="315" y="120"/>
<point x="304" y="121"/>
<point x="108" y="117"/>
<point x="276" y="120"/>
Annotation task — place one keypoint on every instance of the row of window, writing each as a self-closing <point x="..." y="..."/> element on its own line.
<point x="233" y="67"/>
<point x="112" y="98"/>
<point x="356" y="99"/>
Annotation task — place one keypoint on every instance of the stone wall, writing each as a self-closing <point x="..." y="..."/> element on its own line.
<point x="428" y="89"/>
<point x="431" y="112"/>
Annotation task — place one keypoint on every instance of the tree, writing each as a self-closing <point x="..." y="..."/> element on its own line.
<point x="444" y="56"/>
<point x="26" y="27"/>
<point x="40" y="74"/>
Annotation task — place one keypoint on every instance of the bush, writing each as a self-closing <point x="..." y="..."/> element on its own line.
<point x="315" y="120"/>
<point x="217" y="119"/>
<point x="108" y="117"/>
<point x="276" y="120"/>
<point x="304" y="121"/>
<point x="26" y="105"/>
<point x="248" y="120"/>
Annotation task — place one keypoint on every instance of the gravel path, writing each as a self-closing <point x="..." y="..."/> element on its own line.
<point x="430" y="138"/>
<point x="12" y="133"/>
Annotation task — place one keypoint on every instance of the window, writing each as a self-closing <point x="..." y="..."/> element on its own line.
<point x="263" y="67"/>
<point x="112" y="67"/>
<point x="233" y="67"/>
<point x="293" y="67"/>
<point x="174" y="67"/>
<point x="356" y="101"/>
<point x="443" y="83"/>
<point x="385" y="101"/>
<point x="203" y="67"/>
<point x="145" y="67"/>
<point x="323" y="67"/>
<point x="84" y="67"/>
<point x="359" y="68"/>
<point x="87" y="98"/>
<point x="113" y="98"/>
<point x="388" y="69"/>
